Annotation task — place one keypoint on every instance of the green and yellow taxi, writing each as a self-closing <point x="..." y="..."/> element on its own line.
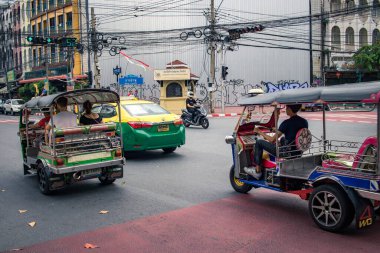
<point x="145" y="125"/>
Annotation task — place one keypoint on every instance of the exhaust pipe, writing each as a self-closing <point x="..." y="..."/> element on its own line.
<point x="77" y="175"/>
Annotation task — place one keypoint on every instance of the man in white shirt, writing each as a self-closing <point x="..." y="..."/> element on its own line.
<point x="63" y="119"/>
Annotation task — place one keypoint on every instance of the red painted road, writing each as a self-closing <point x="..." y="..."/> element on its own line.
<point x="262" y="221"/>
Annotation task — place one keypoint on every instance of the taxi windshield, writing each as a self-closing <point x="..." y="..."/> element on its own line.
<point x="144" y="109"/>
<point x="18" y="102"/>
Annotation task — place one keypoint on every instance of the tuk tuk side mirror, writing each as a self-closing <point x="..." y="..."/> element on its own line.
<point x="230" y="139"/>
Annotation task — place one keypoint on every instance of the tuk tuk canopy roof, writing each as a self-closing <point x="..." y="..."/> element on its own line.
<point x="360" y="92"/>
<point x="75" y="97"/>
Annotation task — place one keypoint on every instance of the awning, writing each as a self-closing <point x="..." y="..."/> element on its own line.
<point x="78" y="77"/>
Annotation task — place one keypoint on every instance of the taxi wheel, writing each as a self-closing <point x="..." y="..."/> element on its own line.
<point x="105" y="180"/>
<point x="330" y="208"/>
<point x="237" y="184"/>
<point x="169" y="150"/>
<point x="43" y="179"/>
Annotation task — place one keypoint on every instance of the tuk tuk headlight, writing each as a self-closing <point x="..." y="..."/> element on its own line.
<point x="230" y="139"/>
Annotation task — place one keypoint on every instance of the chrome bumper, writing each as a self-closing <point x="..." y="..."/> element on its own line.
<point x="369" y="195"/>
<point x="87" y="166"/>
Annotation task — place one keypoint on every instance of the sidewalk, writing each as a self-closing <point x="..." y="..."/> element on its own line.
<point x="229" y="111"/>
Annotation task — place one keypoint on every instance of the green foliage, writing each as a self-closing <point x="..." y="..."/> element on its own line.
<point x="368" y="57"/>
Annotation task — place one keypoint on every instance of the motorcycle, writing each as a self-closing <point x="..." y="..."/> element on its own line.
<point x="199" y="120"/>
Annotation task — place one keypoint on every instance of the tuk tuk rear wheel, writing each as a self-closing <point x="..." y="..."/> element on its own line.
<point x="237" y="184"/>
<point x="330" y="208"/>
<point x="106" y="180"/>
<point x="43" y="179"/>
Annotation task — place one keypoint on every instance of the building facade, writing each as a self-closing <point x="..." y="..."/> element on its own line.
<point x="53" y="19"/>
<point x="342" y="28"/>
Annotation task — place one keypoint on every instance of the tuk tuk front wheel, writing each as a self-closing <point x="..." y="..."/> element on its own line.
<point x="237" y="184"/>
<point x="43" y="179"/>
<point x="330" y="208"/>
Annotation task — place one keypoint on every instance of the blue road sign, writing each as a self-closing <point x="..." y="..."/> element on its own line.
<point x="131" y="80"/>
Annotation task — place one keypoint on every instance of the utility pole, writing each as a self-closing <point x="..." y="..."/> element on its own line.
<point x="212" y="60"/>
<point x="96" y="60"/>
<point x="323" y="33"/>
<point x="88" y="43"/>
<point x="311" y="43"/>
<point x="46" y="86"/>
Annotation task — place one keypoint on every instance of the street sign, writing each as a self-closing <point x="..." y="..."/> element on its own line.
<point x="131" y="80"/>
<point x="117" y="71"/>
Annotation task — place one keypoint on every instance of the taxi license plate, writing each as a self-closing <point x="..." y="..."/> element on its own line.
<point x="163" y="128"/>
<point x="91" y="172"/>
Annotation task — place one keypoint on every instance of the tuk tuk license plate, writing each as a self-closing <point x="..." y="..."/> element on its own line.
<point x="91" y="172"/>
<point x="163" y="128"/>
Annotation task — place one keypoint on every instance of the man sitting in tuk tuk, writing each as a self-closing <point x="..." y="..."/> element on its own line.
<point x="43" y="122"/>
<point x="63" y="118"/>
<point x="288" y="127"/>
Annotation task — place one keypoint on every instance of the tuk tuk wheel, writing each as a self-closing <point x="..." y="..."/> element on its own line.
<point x="105" y="180"/>
<point x="43" y="179"/>
<point x="330" y="208"/>
<point x="237" y="184"/>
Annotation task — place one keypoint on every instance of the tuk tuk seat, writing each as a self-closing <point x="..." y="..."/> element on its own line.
<point x="349" y="161"/>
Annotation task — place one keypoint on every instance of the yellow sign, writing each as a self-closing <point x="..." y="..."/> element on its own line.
<point x="172" y="74"/>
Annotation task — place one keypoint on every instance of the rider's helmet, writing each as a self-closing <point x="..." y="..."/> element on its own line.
<point x="190" y="94"/>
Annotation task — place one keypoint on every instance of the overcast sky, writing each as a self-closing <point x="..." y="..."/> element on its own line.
<point x="250" y="64"/>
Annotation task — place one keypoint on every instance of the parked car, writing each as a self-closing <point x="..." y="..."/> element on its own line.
<point x="145" y="125"/>
<point x="13" y="106"/>
<point x="2" y="111"/>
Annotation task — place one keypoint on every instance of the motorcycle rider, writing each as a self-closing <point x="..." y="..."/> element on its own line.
<point x="190" y="105"/>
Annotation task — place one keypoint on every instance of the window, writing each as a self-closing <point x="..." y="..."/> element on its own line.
<point x="60" y="23"/>
<point x="375" y="36"/>
<point x="363" y="37"/>
<point x="335" y="38"/>
<point x="174" y="90"/>
<point x="376" y="9"/>
<point x="53" y="54"/>
<point x="350" y="39"/>
<point x="51" y="4"/>
<point x="69" y="21"/>
<point x="335" y="5"/>
<point x="52" y="25"/>
<point x="40" y="56"/>
<point x="144" y="109"/>
<point x="363" y="10"/>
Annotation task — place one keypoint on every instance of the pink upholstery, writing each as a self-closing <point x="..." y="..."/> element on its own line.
<point x="370" y="141"/>
<point x="342" y="161"/>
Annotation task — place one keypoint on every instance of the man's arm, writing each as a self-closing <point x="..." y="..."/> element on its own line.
<point x="47" y="130"/>
<point x="268" y="137"/>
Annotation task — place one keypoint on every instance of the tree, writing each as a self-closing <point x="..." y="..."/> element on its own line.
<point x="368" y="58"/>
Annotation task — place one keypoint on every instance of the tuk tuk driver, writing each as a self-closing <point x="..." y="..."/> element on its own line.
<point x="43" y="122"/>
<point x="63" y="118"/>
<point x="288" y="127"/>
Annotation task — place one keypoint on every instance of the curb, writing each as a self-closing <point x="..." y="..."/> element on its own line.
<point x="220" y="115"/>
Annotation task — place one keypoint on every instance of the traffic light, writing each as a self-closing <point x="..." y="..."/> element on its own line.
<point x="63" y="42"/>
<point x="235" y="33"/>
<point x="224" y="72"/>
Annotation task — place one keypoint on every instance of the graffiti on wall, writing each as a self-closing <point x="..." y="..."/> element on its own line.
<point x="233" y="90"/>
<point x="284" y="85"/>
